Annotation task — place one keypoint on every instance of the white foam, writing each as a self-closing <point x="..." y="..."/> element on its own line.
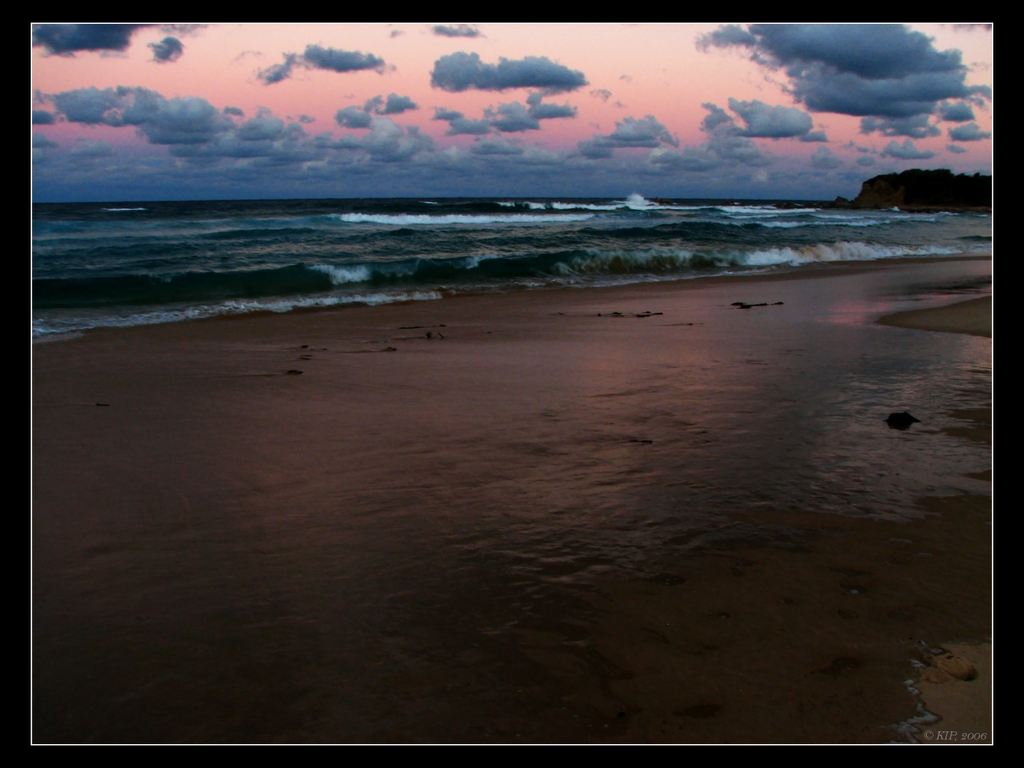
<point x="841" y="251"/>
<point x="343" y="275"/>
<point x="46" y="327"/>
<point x="412" y="220"/>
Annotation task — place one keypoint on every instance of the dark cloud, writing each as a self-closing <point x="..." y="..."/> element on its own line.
<point x="764" y="121"/>
<point x="916" y="127"/>
<point x="341" y="61"/>
<point x="956" y="150"/>
<point x="725" y="36"/>
<point x="275" y="73"/>
<point x="65" y="39"/>
<point x="814" y="136"/>
<point x="956" y="112"/>
<point x="353" y="117"/>
<point x="307" y="119"/>
<point x="550" y="111"/>
<point x="90" y="106"/>
<point x="969" y="132"/>
<point x="188" y="120"/>
<point x="631" y="132"/>
<point x="512" y="118"/>
<point x="881" y="70"/>
<point x="39" y="141"/>
<point x="186" y="30"/>
<point x="42" y="117"/>
<point x="647" y="132"/>
<point x="824" y="160"/>
<point x="168" y="49"/>
<point x="388" y="142"/>
<point x="443" y="113"/>
<point x="495" y="147"/>
<point x="461" y="30"/>
<point x="726" y="146"/>
<point x="463" y="126"/>
<point x="464" y="71"/>
<point x="541" y="111"/>
<point x="865" y="160"/>
<point x="906" y="151"/>
<point x="396" y="105"/>
<point x="86" y="149"/>
<point x="317" y="57"/>
<point x="263" y="127"/>
<point x="234" y="111"/>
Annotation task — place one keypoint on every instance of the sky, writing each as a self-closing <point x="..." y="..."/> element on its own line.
<point x="752" y="111"/>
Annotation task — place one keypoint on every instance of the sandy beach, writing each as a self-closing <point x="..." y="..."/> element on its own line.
<point x="665" y="512"/>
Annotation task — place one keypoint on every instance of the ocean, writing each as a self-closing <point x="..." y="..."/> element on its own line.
<point x="124" y="264"/>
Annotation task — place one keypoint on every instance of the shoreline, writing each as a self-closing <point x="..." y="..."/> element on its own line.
<point x="801" y="272"/>
<point x="447" y="525"/>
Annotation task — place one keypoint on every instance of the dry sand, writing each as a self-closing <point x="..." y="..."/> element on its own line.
<point x="193" y="580"/>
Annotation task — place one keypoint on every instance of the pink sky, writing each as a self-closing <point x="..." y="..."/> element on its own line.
<point x="649" y="69"/>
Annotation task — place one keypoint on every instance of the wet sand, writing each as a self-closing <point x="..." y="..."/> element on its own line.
<point x="973" y="316"/>
<point x="635" y="514"/>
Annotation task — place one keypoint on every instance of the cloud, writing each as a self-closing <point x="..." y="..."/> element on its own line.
<point x="631" y="132"/>
<point x="341" y="61"/>
<point x="512" y="118"/>
<point x="388" y="142"/>
<point x="396" y="105"/>
<point x="307" y="119"/>
<point x="275" y="73"/>
<point x="906" y="152"/>
<point x="726" y="145"/>
<point x="462" y="30"/>
<point x="42" y="117"/>
<point x="353" y="117"/>
<point x="168" y="49"/>
<point x="443" y="113"/>
<point x="601" y="93"/>
<point x="188" y="120"/>
<point x="460" y="126"/>
<point x="824" y="160"/>
<point x="65" y="39"/>
<point x="814" y="136"/>
<point x="464" y="71"/>
<point x="397" y="32"/>
<point x="865" y="160"/>
<point x="969" y="132"/>
<point x="317" y="57"/>
<point x="764" y="121"/>
<point x="550" y="111"/>
<point x="263" y="127"/>
<point x="647" y="132"/>
<point x="956" y="150"/>
<point x="956" y="112"/>
<point x="90" y="106"/>
<point x="186" y="30"/>
<point x="495" y="147"/>
<point x="916" y="127"/>
<point x="234" y="111"/>
<point x="881" y="70"/>
<point x="541" y="111"/>
<point x="39" y="141"/>
<point x="87" y="149"/>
